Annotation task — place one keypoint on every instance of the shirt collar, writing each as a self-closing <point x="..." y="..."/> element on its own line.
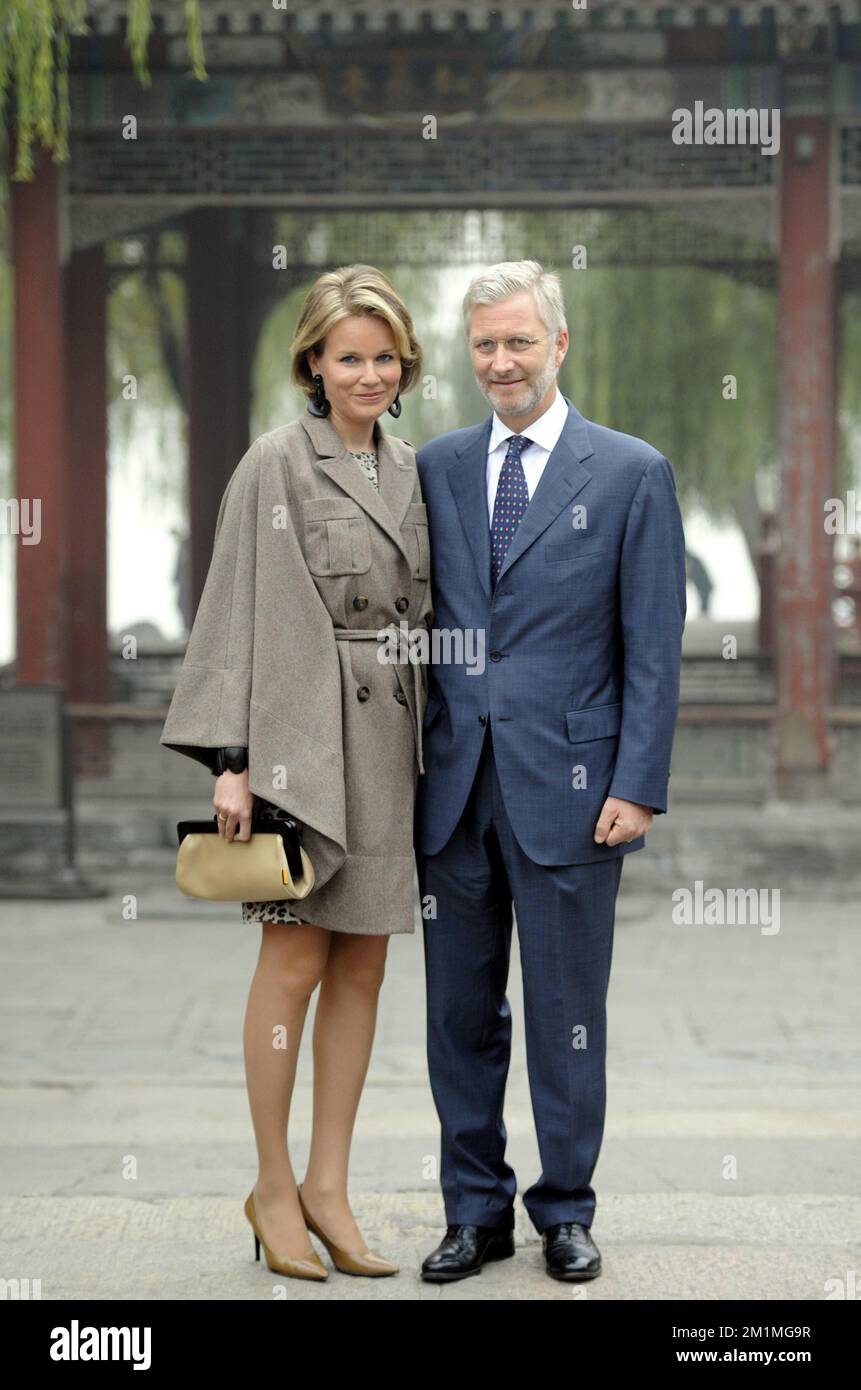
<point x="544" y="431"/>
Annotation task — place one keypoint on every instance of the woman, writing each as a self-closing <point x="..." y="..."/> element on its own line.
<point x="321" y="543"/>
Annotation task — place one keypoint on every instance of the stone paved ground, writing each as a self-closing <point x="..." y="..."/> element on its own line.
<point x="123" y="1038"/>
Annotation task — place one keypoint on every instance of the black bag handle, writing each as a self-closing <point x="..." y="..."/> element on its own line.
<point x="287" y="829"/>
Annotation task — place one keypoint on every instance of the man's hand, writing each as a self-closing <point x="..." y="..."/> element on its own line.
<point x="622" y="821"/>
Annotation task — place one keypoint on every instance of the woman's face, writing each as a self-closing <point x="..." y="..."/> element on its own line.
<point x="360" y="367"/>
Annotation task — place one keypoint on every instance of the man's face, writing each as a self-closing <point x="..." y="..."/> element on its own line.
<point x="514" y="379"/>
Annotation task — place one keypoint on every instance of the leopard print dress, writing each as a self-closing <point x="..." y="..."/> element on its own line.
<point x="284" y="910"/>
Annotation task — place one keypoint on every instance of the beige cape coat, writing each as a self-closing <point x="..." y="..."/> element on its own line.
<point x="309" y="563"/>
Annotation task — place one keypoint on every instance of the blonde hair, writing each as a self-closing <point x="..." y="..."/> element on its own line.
<point x="507" y="278"/>
<point x="353" y="289"/>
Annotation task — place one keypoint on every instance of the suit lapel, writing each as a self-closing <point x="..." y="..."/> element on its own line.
<point x="397" y="479"/>
<point x="467" y="478"/>
<point x="561" y="479"/>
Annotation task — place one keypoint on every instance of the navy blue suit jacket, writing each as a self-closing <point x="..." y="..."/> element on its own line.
<point x="582" y="638"/>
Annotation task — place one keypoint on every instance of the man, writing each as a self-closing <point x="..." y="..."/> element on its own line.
<point x="560" y="543"/>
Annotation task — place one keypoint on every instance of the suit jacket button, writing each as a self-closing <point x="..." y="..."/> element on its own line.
<point x="482" y="719"/>
<point x="496" y="656"/>
<point x="363" y="693"/>
<point x="360" y="602"/>
<point x="400" y="697"/>
<point x="402" y="604"/>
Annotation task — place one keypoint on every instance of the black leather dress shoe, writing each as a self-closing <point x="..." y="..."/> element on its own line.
<point x="570" y="1252"/>
<point x="464" y="1249"/>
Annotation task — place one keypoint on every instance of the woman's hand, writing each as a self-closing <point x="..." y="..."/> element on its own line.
<point x="233" y="802"/>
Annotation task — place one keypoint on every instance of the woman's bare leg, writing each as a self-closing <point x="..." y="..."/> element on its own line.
<point x="290" y="965"/>
<point x="343" y="1037"/>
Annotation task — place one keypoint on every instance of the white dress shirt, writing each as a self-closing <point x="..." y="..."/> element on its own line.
<point x="544" y="433"/>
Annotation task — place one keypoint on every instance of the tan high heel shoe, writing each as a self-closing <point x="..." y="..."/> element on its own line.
<point x="308" y="1266"/>
<point x="361" y="1262"/>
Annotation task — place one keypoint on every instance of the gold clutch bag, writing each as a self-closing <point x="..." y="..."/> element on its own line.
<point x="270" y="865"/>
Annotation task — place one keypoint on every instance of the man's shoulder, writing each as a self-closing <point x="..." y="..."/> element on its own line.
<point x="443" y="449"/>
<point x="616" y="447"/>
<point x="627" y="452"/>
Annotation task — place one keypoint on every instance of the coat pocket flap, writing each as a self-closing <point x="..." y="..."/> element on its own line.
<point x="417" y="539"/>
<point x="330" y="508"/>
<point x="573" y="549"/>
<point x="601" y="721"/>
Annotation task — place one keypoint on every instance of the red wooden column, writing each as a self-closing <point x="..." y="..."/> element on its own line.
<point x="88" y="669"/>
<point x="86" y="287"/>
<point x="808" y="446"/>
<point x="40" y="423"/>
<point x="221" y="341"/>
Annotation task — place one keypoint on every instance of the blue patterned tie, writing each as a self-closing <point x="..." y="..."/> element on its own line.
<point x="512" y="499"/>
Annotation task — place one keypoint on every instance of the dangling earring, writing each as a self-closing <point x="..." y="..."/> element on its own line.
<point x="395" y="407"/>
<point x="318" y="404"/>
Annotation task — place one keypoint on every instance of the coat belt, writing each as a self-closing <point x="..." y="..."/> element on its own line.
<point x="354" y="634"/>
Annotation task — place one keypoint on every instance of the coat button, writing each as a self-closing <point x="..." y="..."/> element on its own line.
<point x="400" y="697"/>
<point x="402" y="604"/>
<point x="482" y="719"/>
<point x="496" y="656"/>
<point x="360" y="602"/>
<point x="363" y="693"/>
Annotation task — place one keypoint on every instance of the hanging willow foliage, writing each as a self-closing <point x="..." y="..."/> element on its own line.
<point x="35" y="39"/>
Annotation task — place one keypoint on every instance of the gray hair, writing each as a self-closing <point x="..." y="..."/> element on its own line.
<point x="509" y="277"/>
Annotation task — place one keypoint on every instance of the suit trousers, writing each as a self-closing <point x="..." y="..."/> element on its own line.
<point x="565" y="919"/>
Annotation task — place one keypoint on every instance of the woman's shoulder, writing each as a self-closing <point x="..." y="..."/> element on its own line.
<point x="270" y="449"/>
<point x="280" y="439"/>
<point x="403" y="450"/>
<point x="284" y="441"/>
